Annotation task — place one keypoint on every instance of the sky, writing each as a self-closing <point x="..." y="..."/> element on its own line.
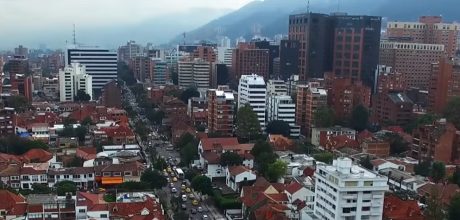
<point x="104" y="22"/>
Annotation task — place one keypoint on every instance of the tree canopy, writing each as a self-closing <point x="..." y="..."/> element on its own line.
<point x="202" y="184"/>
<point x="454" y="207"/>
<point x="82" y="96"/>
<point x="421" y="120"/>
<point x="230" y="159"/>
<point x="366" y="163"/>
<point x="397" y="144"/>
<point x="456" y="176"/>
<point x="278" y="127"/>
<point x="64" y="187"/>
<point x="189" y="93"/>
<point x="16" y="145"/>
<point x="125" y="73"/>
<point x="19" y="103"/>
<point x="247" y="124"/>
<point x="452" y="111"/>
<point x="154" y="179"/>
<point x="423" y="168"/>
<point x="324" y="117"/>
<point x="359" y="118"/>
<point x="276" y="170"/>
<point x="438" y="171"/>
<point x="325" y="157"/>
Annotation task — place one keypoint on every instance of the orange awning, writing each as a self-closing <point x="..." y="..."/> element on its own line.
<point x="112" y="180"/>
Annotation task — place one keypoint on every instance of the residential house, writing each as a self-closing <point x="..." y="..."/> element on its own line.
<point x="296" y="163"/>
<point x="117" y="135"/>
<point x="395" y="208"/>
<point x="237" y="176"/>
<point x="444" y="192"/>
<point x="319" y="136"/>
<point x="30" y="175"/>
<point x="83" y="177"/>
<point x="281" y="143"/>
<point x="400" y="180"/>
<point x="49" y="206"/>
<point x="114" y="174"/>
<point x="380" y="164"/>
<point x="12" y="205"/>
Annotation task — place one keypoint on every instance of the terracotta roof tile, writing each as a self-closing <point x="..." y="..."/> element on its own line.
<point x="446" y="191"/>
<point x="398" y="209"/>
<point x="293" y="187"/>
<point x="12" y="203"/>
<point x="37" y="155"/>
<point x="236" y="170"/>
<point x="213" y="143"/>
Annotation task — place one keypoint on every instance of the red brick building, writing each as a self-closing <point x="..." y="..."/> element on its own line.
<point x="445" y="84"/>
<point x="343" y="95"/>
<point x="205" y="53"/>
<point x="390" y="81"/>
<point x="21" y="85"/>
<point x="220" y="111"/>
<point x="439" y="141"/>
<point x="111" y="96"/>
<point x="377" y="147"/>
<point x="392" y="108"/>
<point x="309" y="98"/>
<point x="247" y="60"/>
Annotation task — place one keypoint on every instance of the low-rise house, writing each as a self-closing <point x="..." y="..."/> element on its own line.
<point x="210" y="149"/>
<point x="83" y="177"/>
<point x="395" y="208"/>
<point x="117" y="135"/>
<point x="320" y="135"/>
<point x="114" y="174"/>
<point x="443" y="192"/>
<point x="296" y="163"/>
<point x="381" y="164"/>
<point x="112" y="149"/>
<point x="400" y="180"/>
<point x="237" y="176"/>
<point x="299" y="194"/>
<point x="12" y="205"/>
<point x="10" y="175"/>
<point x="375" y="146"/>
<point x="139" y="206"/>
<point x="48" y="206"/>
<point x="30" y="176"/>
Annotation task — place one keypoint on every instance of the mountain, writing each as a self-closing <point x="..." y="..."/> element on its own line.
<point x="270" y="17"/>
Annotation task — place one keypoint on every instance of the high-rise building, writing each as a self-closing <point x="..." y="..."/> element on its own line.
<point x="282" y="108"/>
<point x="389" y="80"/>
<point x="247" y="60"/>
<point x="21" y="84"/>
<point x="343" y="95"/>
<point x="220" y="111"/>
<point x="101" y="64"/>
<point x="18" y="65"/>
<point x="392" y="108"/>
<point x="72" y="79"/>
<point x="428" y="30"/>
<point x="111" y="95"/>
<point x="206" y="53"/>
<point x="195" y="72"/>
<point x="347" y="191"/>
<point x="276" y="87"/>
<point x="273" y="52"/>
<point x="289" y="58"/>
<point x="309" y="98"/>
<point x="21" y="51"/>
<point x="140" y="66"/>
<point x="344" y="44"/>
<point x="159" y="71"/>
<point x="225" y="42"/>
<point x="129" y="51"/>
<point x="413" y="60"/>
<point x="224" y="55"/>
<point x="252" y="91"/>
<point x="444" y="84"/>
<point x="314" y="32"/>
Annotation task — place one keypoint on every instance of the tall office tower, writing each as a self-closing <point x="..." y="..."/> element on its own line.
<point x="252" y="91"/>
<point x="18" y="65"/>
<point x="221" y="74"/>
<point x="289" y="58"/>
<point x="247" y="59"/>
<point x="21" y="51"/>
<point x="356" y="47"/>
<point x="273" y="52"/>
<point x="276" y="87"/>
<point x="343" y="95"/>
<point x="129" y="51"/>
<point x="225" y="42"/>
<point x="444" y="84"/>
<point x="159" y="71"/>
<point x="101" y="64"/>
<point x="72" y="79"/>
<point x="224" y="55"/>
<point x="346" y="45"/>
<point x="411" y="59"/>
<point x="196" y="73"/>
<point x="314" y="32"/>
<point x="21" y="84"/>
<point x="310" y="97"/>
<point x="220" y="111"/>
<point x="206" y="53"/>
<point x="281" y="107"/>
<point x="347" y="191"/>
<point x="428" y="30"/>
<point x="140" y="66"/>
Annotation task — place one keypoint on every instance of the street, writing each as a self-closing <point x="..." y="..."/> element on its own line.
<point x="164" y="149"/>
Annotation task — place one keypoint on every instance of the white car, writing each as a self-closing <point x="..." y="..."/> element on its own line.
<point x="205" y="217"/>
<point x="173" y="190"/>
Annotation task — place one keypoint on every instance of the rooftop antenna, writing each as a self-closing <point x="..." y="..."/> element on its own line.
<point x="74" y="36"/>
<point x="308" y="6"/>
<point x="338" y="5"/>
<point x="184" y="35"/>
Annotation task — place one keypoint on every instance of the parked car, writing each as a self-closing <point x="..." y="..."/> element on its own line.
<point x="205" y="217"/>
<point x="173" y="190"/>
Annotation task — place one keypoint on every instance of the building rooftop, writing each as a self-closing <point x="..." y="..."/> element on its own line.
<point x="399" y="97"/>
<point x="344" y="168"/>
<point x="253" y="79"/>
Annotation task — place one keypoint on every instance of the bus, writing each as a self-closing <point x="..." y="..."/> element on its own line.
<point x="180" y="173"/>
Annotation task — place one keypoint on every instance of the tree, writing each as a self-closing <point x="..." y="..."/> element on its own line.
<point x="260" y="147"/>
<point x="423" y="168"/>
<point x="366" y="163"/>
<point x="19" y="103"/>
<point x="424" y="119"/>
<point x="200" y="127"/>
<point x="191" y="173"/>
<point x="76" y="162"/>
<point x="16" y="145"/>
<point x="451" y="112"/>
<point x="202" y="184"/>
<point x="125" y="74"/>
<point x="325" y="157"/>
<point x="189" y="93"/>
<point x="324" y="117"/>
<point x="184" y="139"/>
<point x="230" y="159"/>
<point x="247" y="123"/>
<point x="278" y="127"/>
<point x="434" y="209"/>
<point x="397" y="144"/>
<point x="359" y="118"/>
<point x="155" y="117"/>
<point x="181" y="215"/>
<point x="188" y="153"/>
<point x="438" y="171"/>
<point x="160" y="164"/>
<point x="40" y="188"/>
<point x="456" y="176"/>
<point x="132" y="186"/>
<point x="64" y="187"/>
<point x="454" y="208"/>
<point x="80" y="132"/>
<point x="154" y="179"/>
<point x="276" y="170"/>
<point x="264" y="160"/>
<point x="82" y="96"/>
<point x="87" y="121"/>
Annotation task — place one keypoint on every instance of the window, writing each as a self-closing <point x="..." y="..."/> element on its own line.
<point x="116" y="173"/>
<point x="81" y="211"/>
<point x="76" y="176"/>
<point x="106" y="174"/>
<point x="368" y="183"/>
<point x="127" y="173"/>
<point x="351" y="183"/>
<point x="103" y="215"/>
<point x="66" y="176"/>
<point x="367" y="208"/>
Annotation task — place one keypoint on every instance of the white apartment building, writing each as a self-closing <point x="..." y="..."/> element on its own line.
<point x="345" y="191"/>
<point x="281" y="107"/>
<point x="252" y="91"/>
<point x="276" y="87"/>
<point x="101" y="64"/>
<point x="73" y="78"/>
<point x="195" y="73"/>
<point x="224" y="55"/>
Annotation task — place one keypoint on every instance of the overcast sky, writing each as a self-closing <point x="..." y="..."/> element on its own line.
<point x="44" y="21"/>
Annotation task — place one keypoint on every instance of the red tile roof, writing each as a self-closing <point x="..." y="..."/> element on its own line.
<point x="213" y="143"/>
<point x="134" y="209"/>
<point x="211" y="157"/>
<point x="293" y="187"/>
<point x="31" y="171"/>
<point x="445" y="191"/>
<point x="308" y="172"/>
<point x="398" y="209"/>
<point x="237" y="170"/>
<point x="281" y="143"/>
<point x="340" y="141"/>
<point x="118" y="131"/>
<point x="378" y="162"/>
<point x="364" y="135"/>
<point x="37" y="155"/>
<point x="12" y="203"/>
<point x="86" y="153"/>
